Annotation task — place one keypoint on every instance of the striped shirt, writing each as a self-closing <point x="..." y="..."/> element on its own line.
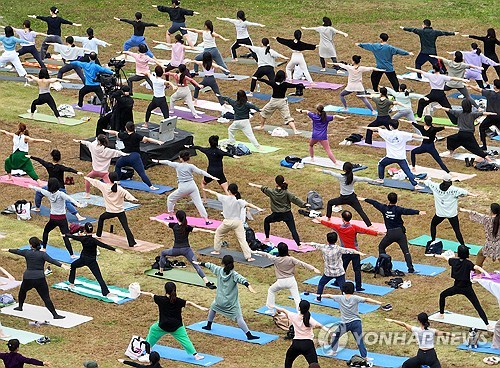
<point x="332" y="257"/>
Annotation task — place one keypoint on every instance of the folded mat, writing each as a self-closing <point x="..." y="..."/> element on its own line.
<point x="401" y="184"/>
<point x="121" y="242"/>
<point x="377" y="290"/>
<point x="439" y="174"/>
<point x="326" y="162"/>
<point x="460" y="320"/>
<point x="58" y="254"/>
<point x="181" y="275"/>
<point x="461" y="96"/>
<point x="140" y="185"/>
<point x="91" y="289"/>
<point x="413" y="76"/>
<point x="20" y="181"/>
<point x="324" y="319"/>
<point x="422" y="240"/>
<point x="178" y="355"/>
<point x="24" y="337"/>
<point x="482" y="347"/>
<point x="290" y="242"/>
<point x="303" y="133"/>
<point x="267" y="97"/>
<point x="45" y="212"/>
<point x="379" y="360"/>
<point x="338" y="221"/>
<point x="71" y="85"/>
<point x="420" y="269"/>
<point x="233" y="333"/>
<point x="88" y="107"/>
<point x="185" y="113"/>
<point x="95" y="200"/>
<point x="208" y="105"/>
<point x="318" y="85"/>
<point x="263" y="149"/>
<point x="193" y="221"/>
<point x="350" y="110"/>
<point x="6" y="284"/>
<point x="38" y="313"/>
<point x="330" y="303"/>
<point x="52" y="119"/>
<point x="381" y="144"/>
<point x="328" y="71"/>
<point x="260" y="261"/>
<point x="222" y="76"/>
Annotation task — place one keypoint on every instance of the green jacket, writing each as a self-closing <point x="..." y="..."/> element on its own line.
<point x="281" y="200"/>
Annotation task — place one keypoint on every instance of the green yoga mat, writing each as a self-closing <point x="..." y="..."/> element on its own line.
<point x="24" y="337"/>
<point x="445" y="121"/>
<point x="181" y="275"/>
<point x="52" y="119"/>
<point x="263" y="149"/>
<point x="91" y="289"/>
<point x="146" y="96"/>
<point x="422" y="240"/>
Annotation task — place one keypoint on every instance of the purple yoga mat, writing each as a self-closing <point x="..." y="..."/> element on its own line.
<point x="186" y="115"/>
<point x="319" y="85"/>
<point x="290" y="242"/>
<point x="381" y="144"/>
<point x="193" y="221"/>
<point x="89" y="108"/>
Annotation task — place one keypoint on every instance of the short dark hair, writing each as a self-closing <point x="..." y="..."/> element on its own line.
<point x="138" y="15"/>
<point x="56" y="155"/>
<point x="463" y="252"/>
<point x="93" y="56"/>
<point x="53" y="185"/>
<point x="427" y="22"/>
<point x="9" y="31"/>
<point x="346" y="215"/>
<point x="70" y="40"/>
<point x="332" y="237"/>
<point x="13" y="344"/>
<point x="395" y="124"/>
<point x="384" y="37"/>
<point x="143" y="48"/>
<point x="392" y="198"/>
<point x="348" y="288"/>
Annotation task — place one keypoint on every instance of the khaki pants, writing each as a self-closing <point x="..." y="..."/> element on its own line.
<point x="280" y="104"/>
<point x="239" y="231"/>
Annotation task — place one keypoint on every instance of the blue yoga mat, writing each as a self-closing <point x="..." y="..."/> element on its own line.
<point x="401" y="184"/>
<point x="496" y="138"/>
<point x="324" y="319"/>
<point x="424" y="270"/>
<point x="475" y="97"/>
<point x="379" y="360"/>
<point x="58" y="254"/>
<point x="267" y="97"/>
<point x="139" y="185"/>
<point x="233" y="333"/>
<point x="369" y="289"/>
<point x="481" y="348"/>
<point x="45" y="212"/>
<point x="350" y="110"/>
<point x="330" y="303"/>
<point x="178" y="355"/>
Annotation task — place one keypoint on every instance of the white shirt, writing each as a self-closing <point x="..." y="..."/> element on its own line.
<point x="90" y="45"/>
<point x="395" y="143"/>
<point x="264" y="59"/>
<point x="27" y="36"/>
<point x="402" y="98"/>
<point x="20" y="143"/>
<point x="425" y="338"/>
<point x="158" y="86"/>
<point x="208" y="40"/>
<point x="446" y="203"/>
<point x="68" y="52"/>
<point x="436" y="80"/>
<point x="241" y="27"/>
<point x="231" y="207"/>
<point x="355" y="77"/>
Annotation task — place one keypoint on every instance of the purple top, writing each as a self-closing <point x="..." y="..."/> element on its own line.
<point x="16" y="360"/>
<point x="320" y="128"/>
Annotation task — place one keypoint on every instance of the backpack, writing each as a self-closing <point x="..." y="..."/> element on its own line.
<point x="23" y="209"/>
<point x="367" y="267"/>
<point x="285" y="163"/>
<point x="358" y="361"/>
<point x="253" y="242"/>
<point x="315" y="200"/>
<point x="66" y="111"/>
<point x="293" y="159"/>
<point x="137" y="347"/>
<point x="281" y="320"/>
<point x="299" y="90"/>
<point x="6" y="299"/>
<point x="486" y="166"/>
<point x="242" y="150"/>
<point x="383" y="266"/>
<point x="354" y="137"/>
<point x="433" y="247"/>
<point x="395" y="282"/>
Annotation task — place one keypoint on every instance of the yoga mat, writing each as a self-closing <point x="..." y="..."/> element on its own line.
<point x="381" y="144"/>
<point x="38" y="313"/>
<point x="95" y="200"/>
<point x="140" y="185"/>
<point x="328" y="71"/>
<point x="475" y="97"/>
<point x="196" y="50"/>
<point x="142" y="96"/>
<point x="58" y="254"/>
<point x="338" y="221"/>
<point x="45" y="212"/>
<point x="23" y="181"/>
<point x="324" y="319"/>
<point x="244" y="61"/>
<point x="178" y="355"/>
<point x="267" y="97"/>
<point x="24" y="337"/>
<point x="234" y="333"/>
<point x="12" y="78"/>
<point x="330" y="303"/>
<point x="121" y="242"/>
<point x="439" y="174"/>
<point x="460" y="320"/>
<point x="326" y="162"/>
<point x="217" y="205"/>
<point x="88" y="107"/>
<point x="193" y="221"/>
<point x="181" y="275"/>
<point x="225" y="77"/>
<point x="369" y="289"/>
<point x="260" y="261"/>
<point x="442" y="121"/>
<point x="379" y="360"/>
<point x="290" y="242"/>
<point x="9" y="284"/>
<point x="350" y="110"/>
<point x="413" y="76"/>
<point x="91" y="289"/>
<point x="208" y="105"/>
<point x="263" y="149"/>
<point x="48" y="66"/>
<point x="305" y="134"/>
<point x="319" y="85"/>
<point x="422" y="270"/>
<point x="53" y="119"/>
<point x="422" y="240"/>
<point x="72" y="85"/>
<point x="401" y="184"/>
<point x="185" y="113"/>
<point x="482" y="347"/>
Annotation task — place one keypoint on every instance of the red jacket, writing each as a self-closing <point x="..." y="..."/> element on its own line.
<point x="348" y="233"/>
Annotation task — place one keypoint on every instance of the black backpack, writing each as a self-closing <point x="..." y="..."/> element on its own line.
<point x="253" y="242"/>
<point x="358" y="361"/>
<point x="383" y="266"/>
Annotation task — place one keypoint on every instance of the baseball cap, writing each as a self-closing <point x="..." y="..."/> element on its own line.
<point x="90" y="364"/>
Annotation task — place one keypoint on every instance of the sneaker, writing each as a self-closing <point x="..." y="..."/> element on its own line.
<point x="406" y="285"/>
<point x="387" y="307"/>
<point x="318" y="299"/>
<point x="360" y="289"/>
<point x="159" y="273"/>
<point x="48" y="271"/>
<point x="337" y="208"/>
<point x="223" y="120"/>
<point x="379" y="181"/>
<point x="144" y="358"/>
<point x="43" y="340"/>
<point x="211" y="285"/>
<point x="208" y="223"/>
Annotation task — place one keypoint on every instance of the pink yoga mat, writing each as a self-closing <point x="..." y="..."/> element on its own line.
<point x="193" y="221"/>
<point x="290" y="242"/>
<point x="186" y="115"/>
<point x="20" y="182"/>
<point x="338" y="221"/>
<point x="319" y="85"/>
<point x="381" y="144"/>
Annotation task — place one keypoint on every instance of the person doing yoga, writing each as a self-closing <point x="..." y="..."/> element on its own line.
<point x="297" y="58"/>
<point x="10" y="55"/>
<point x="404" y="97"/>
<point x="492" y="105"/>
<point x="13" y="359"/>
<point x="208" y="76"/>
<point x="159" y="100"/>
<point x="142" y="61"/>
<point x="138" y="37"/>
<point x="27" y="34"/>
<point x="490" y="41"/>
<point x="91" y="44"/>
<point x="177" y="16"/>
<point x="182" y="80"/>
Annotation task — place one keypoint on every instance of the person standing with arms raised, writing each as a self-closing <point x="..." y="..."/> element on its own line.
<point x="178" y="17"/>
<point x="138" y="37"/>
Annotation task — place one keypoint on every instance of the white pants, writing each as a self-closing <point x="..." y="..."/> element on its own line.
<point x="13" y="58"/>
<point x="245" y="126"/>
<point x="281" y="284"/>
<point x="236" y="226"/>
<point x="183" y="93"/>
<point x="187" y="189"/>
<point x="297" y="59"/>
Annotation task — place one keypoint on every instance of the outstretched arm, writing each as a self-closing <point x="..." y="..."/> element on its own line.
<point x="8" y="275"/>
<point x="255" y="185"/>
<point x="399" y="323"/>
<point x="7" y="133"/>
<point x="219" y="36"/>
<point x="193" y="30"/>
<point x="196" y="306"/>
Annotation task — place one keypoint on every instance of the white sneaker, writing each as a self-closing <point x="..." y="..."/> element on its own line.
<point x="406" y="285"/>
<point x="337" y="208"/>
<point x="445" y="154"/>
<point x="144" y="358"/>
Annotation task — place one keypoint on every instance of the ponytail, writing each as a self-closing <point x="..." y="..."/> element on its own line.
<point x="495" y="209"/>
<point x="265" y="42"/>
<point x="171" y="291"/>
<point x="304" y="306"/>
<point x="22" y="129"/>
<point x="183" y="72"/>
<point x="423" y="318"/>
<point x="113" y="177"/>
<point x="321" y="113"/>
<point x="445" y="185"/>
<point x="349" y="176"/>
<point x="103" y="140"/>
<point x="181" y="217"/>
<point x="280" y="181"/>
<point x="233" y="189"/>
<point x="228" y="262"/>
<point x="90" y="33"/>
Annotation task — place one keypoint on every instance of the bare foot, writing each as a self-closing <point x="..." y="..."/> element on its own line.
<point x="214" y="252"/>
<point x="35" y="209"/>
<point x="250" y="259"/>
<point x="43" y="250"/>
<point x="71" y="286"/>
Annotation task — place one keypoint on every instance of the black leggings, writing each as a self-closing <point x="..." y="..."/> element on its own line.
<point x="466" y="291"/>
<point x="436" y="95"/>
<point x="236" y="46"/>
<point x="322" y="61"/>
<point x="485" y="125"/>
<point x="262" y="71"/>
<point x="41" y="287"/>
<point x="436" y="220"/>
<point x="287" y="218"/>
<point x="301" y="347"/>
<point x="384" y="121"/>
<point x="91" y="263"/>
<point x="123" y="221"/>
<point x="423" y="358"/>
<point x="45" y="98"/>
<point x="397" y="235"/>
<point x="376" y="76"/>
<point x="85" y="90"/>
<point x="68" y="67"/>
<point x="351" y="200"/>
<point x="209" y="81"/>
<point x="137" y="78"/>
<point x="493" y="57"/>
<point x="429" y="148"/>
<point x="33" y="51"/>
<point x="63" y="227"/>
<point x="467" y="141"/>
<point x="160" y="102"/>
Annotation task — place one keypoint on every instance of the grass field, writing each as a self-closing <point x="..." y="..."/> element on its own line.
<point x="106" y="337"/>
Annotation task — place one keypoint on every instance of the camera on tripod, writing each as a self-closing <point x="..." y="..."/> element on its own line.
<point x="117" y="64"/>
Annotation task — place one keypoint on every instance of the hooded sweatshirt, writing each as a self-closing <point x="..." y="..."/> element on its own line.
<point x="281" y="199"/>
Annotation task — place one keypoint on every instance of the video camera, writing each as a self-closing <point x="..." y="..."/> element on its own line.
<point x="107" y="81"/>
<point x="117" y="64"/>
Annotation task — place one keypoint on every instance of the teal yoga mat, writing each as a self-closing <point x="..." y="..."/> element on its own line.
<point x="91" y="289"/>
<point x="350" y="110"/>
<point x="422" y="240"/>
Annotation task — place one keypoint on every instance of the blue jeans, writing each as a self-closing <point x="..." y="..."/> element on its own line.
<point x="216" y="56"/>
<point x="340" y="280"/>
<point x="135" y="41"/>
<point x="69" y="206"/>
<point x="356" y="329"/>
<point x="133" y="159"/>
<point x="403" y="164"/>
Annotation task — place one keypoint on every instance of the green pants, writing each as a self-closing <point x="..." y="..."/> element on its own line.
<point x="19" y="161"/>
<point x="156" y="333"/>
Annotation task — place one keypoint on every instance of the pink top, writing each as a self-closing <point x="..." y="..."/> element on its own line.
<point x="101" y="156"/>
<point x="301" y="331"/>
<point x="185" y="82"/>
<point x="141" y="63"/>
<point x="178" y="54"/>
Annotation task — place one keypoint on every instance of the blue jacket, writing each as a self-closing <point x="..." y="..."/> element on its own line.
<point x="383" y="53"/>
<point x="91" y="69"/>
<point x="9" y="43"/>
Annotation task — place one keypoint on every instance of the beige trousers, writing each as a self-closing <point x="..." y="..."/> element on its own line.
<point x="239" y="231"/>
